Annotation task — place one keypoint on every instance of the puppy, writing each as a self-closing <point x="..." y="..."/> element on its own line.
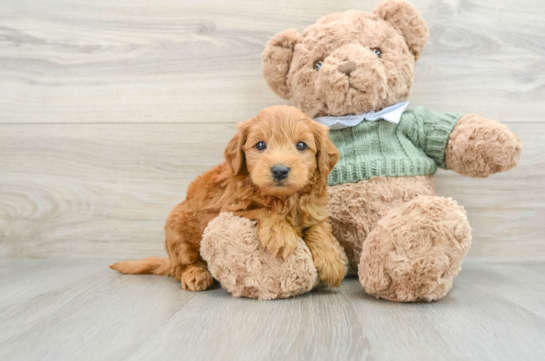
<point x="275" y="172"/>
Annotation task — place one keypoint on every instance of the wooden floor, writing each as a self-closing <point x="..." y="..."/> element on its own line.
<point x="81" y="310"/>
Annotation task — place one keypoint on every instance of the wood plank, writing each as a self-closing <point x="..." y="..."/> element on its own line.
<point x="88" y="312"/>
<point x="184" y="61"/>
<point x="105" y="190"/>
<point x="91" y="189"/>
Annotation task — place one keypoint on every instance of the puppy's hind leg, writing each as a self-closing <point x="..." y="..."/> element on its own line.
<point x="188" y="266"/>
<point x="196" y="278"/>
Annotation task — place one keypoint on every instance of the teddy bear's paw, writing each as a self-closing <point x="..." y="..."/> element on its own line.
<point x="238" y="260"/>
<point x="479" y="147"/>
<point x="415" y="252"/>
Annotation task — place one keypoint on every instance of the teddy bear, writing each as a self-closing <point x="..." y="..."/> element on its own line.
<point x="353" y="72"/>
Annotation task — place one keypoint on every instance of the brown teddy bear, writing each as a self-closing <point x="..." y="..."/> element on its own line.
<point x="353" y="72"/>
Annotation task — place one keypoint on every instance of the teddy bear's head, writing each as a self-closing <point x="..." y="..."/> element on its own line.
<point x="348" y="63"/>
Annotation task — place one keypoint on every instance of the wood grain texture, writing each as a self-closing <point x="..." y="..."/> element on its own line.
<point x="69" y="190"/>
<point x="81" y="310"/>
<point x="199" y="61"/>
<point x="108" y="110"/>
<point x="105" y="190"/>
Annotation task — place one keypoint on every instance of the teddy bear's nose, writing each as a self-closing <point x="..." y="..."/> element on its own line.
<point x="347" y="67"/>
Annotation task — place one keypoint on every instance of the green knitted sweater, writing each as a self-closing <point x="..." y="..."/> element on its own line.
<point x="415" y="146"/>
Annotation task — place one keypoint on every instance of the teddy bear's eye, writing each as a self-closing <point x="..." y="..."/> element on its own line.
<point x="377" y="51"/>
<point x="318" y="65"/>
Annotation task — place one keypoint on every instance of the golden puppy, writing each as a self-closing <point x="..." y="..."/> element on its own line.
<point x="275" y="172"/>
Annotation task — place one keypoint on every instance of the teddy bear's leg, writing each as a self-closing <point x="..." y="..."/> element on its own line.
<point x="415" y="252"/>
<point x="349" y="220"/>
<point x="356" y="208"/>
<point x="237" y="259"/>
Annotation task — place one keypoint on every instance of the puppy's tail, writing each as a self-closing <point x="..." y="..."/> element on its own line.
<point x="150" y="265"/>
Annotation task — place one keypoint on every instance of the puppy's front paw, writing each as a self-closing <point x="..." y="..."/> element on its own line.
<point x="330" y="268"/>
<point x="279" y="239"/>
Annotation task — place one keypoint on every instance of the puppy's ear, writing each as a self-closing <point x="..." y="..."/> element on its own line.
<point x="276" y="60"/>
<point x="234" y="154"/>
<point x="327" y="154"/>
<point x="406" y="19"/>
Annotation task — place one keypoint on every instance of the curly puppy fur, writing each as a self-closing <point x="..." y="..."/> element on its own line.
<point x="285" y="209"/>
<point x="380" y="222"/>
<point x="238" y="260"/>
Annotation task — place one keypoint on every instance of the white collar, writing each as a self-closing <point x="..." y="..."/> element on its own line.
<point x="391" y="114"/>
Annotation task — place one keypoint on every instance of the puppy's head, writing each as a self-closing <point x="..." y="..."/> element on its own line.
<point x="281" y="150"/>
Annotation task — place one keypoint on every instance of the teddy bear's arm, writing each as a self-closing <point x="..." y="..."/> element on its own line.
<point x="479" y="147"/>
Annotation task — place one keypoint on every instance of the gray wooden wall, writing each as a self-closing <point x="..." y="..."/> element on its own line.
<point x="109" y="109"/>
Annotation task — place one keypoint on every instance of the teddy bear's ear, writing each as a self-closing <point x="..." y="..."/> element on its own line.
<point x="405" y="18"/>
<point x="277" y="59"/>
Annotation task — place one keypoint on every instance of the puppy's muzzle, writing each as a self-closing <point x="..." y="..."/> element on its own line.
<point x="280" y="172"/>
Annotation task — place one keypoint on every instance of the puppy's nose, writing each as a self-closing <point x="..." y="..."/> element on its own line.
<point x="280" y="171"/>
<point x="347" y="67"/>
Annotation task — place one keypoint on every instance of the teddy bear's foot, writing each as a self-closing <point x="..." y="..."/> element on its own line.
<point x="416" y="251"/>
<point x="238" y="260"/>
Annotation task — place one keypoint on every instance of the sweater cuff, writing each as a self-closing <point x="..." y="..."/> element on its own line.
<point x="437" y="138"/>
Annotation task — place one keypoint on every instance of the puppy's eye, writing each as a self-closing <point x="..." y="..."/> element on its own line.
<point x="318" y="65"/>
<point x="301" y="146"/>
<point x="377" y="51"/>
<point x="261" y="146"/>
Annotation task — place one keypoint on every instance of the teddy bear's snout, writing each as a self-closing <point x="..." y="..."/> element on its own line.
<point x="347" y="67"/>
<point x="351" y="79"/>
